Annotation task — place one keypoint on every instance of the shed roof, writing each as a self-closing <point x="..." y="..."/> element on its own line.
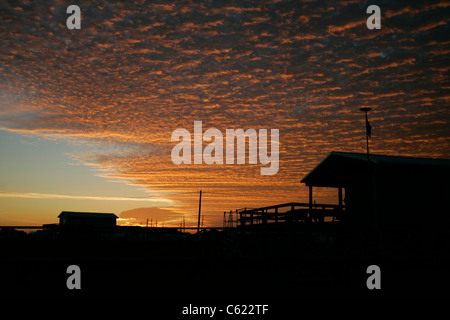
<point x="328" y="172"/>
<point x="87" y="215"/>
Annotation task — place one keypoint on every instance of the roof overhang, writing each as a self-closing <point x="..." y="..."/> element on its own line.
<point x="331" y="171"/>
<point x="87" y="215"/>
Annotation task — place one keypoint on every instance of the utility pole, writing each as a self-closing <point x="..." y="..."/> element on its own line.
<point x="372" y="189"/>
<point x="368" y="129"/>
<point x="199" y="211"/>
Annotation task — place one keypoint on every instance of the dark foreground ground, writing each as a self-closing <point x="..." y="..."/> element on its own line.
<point x="228" y="267"/>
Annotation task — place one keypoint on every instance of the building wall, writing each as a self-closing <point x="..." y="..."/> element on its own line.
<point x="413" y="196"/>
<point x="88" y="222"/>
<point x="391" y="195"/>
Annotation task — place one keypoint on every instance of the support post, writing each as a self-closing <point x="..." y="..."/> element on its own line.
<point x="224" y="219"/>
<point x="199" y="211"/>
<point x="368" y="129"/>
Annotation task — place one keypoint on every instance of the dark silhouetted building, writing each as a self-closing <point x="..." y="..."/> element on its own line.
<point x="87" y="220"/>
<point x="386" y="190"/>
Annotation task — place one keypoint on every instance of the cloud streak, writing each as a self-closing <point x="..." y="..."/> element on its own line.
<point x="34" y="195"/>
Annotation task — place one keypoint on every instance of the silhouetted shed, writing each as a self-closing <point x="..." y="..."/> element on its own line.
<point x="68" y="219"/>
<point x="385" y="190"/>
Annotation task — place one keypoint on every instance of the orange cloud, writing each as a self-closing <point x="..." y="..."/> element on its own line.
<point x="134" y="74"/>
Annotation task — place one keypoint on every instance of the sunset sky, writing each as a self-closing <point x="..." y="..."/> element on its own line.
<point x="86" y="116"/>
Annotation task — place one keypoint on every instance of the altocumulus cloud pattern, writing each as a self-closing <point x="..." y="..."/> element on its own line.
<point x="136" y="71"/>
